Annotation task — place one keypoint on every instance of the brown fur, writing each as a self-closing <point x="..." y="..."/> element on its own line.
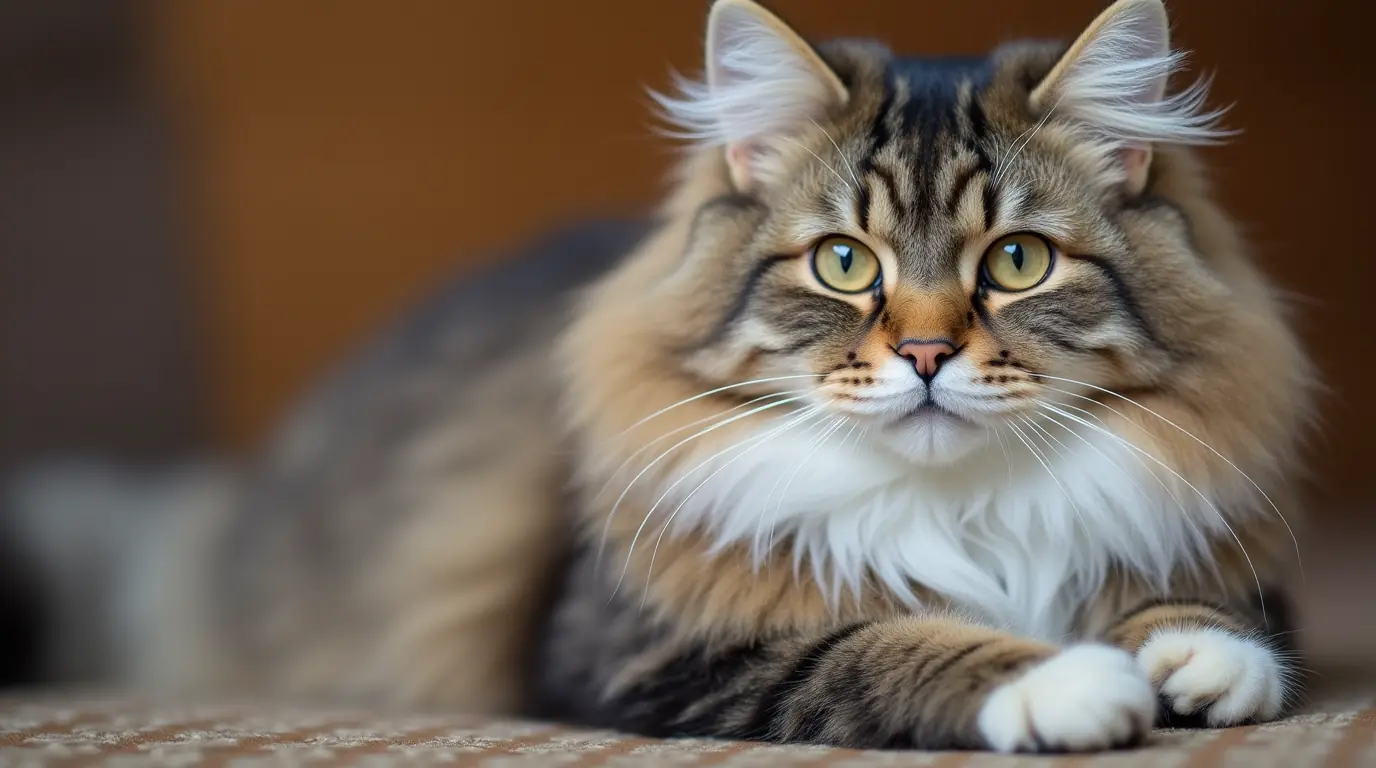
<point x="400" y="542"/>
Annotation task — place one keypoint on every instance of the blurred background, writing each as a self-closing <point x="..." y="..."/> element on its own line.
<point x="206" y="203"/>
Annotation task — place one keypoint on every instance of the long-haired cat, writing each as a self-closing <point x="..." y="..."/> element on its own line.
<point x="941" y="406"/>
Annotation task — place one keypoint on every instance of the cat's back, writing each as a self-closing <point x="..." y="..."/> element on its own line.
<point x="408" y="514"/>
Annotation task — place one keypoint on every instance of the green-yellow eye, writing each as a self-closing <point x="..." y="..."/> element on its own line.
<point x="1018" y="262"/>
<point x="846" y="265"/>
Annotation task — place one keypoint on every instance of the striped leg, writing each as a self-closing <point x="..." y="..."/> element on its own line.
<point x="1209" y="665"/>
<point x="911" y="682"/>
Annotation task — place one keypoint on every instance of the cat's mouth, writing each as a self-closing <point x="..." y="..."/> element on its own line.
<point x="931" y="435"/>
<point x="929" y="411"/>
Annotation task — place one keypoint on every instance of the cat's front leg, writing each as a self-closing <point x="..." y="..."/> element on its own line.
<point x="911" y="682"/>
<point x="1209" y="666"/>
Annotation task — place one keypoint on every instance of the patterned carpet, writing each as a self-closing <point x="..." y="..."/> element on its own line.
<point x="1339" y="729"/>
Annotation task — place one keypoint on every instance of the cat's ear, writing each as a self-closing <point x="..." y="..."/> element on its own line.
<point x="763" y="83"/>
<point x="1113" y="81"/>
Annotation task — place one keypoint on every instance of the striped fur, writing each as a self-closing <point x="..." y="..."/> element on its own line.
<point x="897" y="682"/>
<point x="774" y="524"/>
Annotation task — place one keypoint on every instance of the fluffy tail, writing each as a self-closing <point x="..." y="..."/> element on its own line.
<point x="78" y="543"/>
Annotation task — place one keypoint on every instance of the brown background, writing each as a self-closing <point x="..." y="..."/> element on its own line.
<point x="346" y="155"/>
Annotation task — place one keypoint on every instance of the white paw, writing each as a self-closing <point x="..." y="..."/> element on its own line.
<point x="1230" y="678"/>
<point x="1083" y="698"/>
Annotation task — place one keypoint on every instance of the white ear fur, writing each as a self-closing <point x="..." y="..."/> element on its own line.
<point x="1113" y="81"/>
<point x="762" y="82"/>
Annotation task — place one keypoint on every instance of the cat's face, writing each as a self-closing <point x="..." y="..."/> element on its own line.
<point x="939" y="256"/>
<point x="942" y="259"/>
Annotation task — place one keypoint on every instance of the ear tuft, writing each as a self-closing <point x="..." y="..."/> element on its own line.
<point x="1113" y="80"/>
<point x="762" y="82"/>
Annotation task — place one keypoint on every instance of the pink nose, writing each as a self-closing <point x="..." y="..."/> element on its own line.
<point x="927" y="355"/>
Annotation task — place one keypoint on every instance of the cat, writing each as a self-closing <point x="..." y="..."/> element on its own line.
<point x="939" y="406"/>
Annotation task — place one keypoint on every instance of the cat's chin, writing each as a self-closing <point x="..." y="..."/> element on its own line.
<point x="933" y="437"/>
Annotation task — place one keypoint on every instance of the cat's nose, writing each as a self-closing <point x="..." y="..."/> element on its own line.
<point x="927" y="355"/>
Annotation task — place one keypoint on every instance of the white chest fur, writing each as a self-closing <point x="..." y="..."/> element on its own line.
<point x="1018" y="537"/>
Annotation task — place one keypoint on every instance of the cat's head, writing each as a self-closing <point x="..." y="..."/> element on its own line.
<point x="938" y="249"/>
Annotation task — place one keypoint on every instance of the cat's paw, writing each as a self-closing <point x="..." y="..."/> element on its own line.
<point x="1221" y="677"/>
<point x="1084" y="698"/>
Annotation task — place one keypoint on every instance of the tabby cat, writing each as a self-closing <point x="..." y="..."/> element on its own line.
<point x="941" y="406"/>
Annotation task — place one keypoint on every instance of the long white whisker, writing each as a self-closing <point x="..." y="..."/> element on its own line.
<point x="1260" y="596"/>
<point x="1003" y="445"/>
<point x="696" y="422"/>
<point x="790" y="424"/>
<point x="1183" y="512"/>
<point x="615" y="474"/>
<point x="1293" y="539"/>
<point x="1047" y="437"/>
<point x="1105" y="456"/>
<point x="831" y="430"/>
<point x="858" y="185"/>
<point x="1038" y="455"/>
<point x="645" y="521"/>
<point x="757" y="409"/>
<point x="711" y="392"/>
<point x="1134" y="456"/>
<point x="759" y="525"/>
<point x="773" y="518"/>
<point x="854" y="426"/>
<point x="827" y="428"/>
<point x="1085" y="411"/>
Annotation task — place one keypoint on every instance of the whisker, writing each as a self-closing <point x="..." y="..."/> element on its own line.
<point x="1134" y="456"/>
<point x="1085" y="411"/>
<point x="606" y="528"/>
<point x="649" y="572"/>
<point x="630" y="550"/>
<point x="711" y="392"/>
<point x="1260" y="596"/>
<point x="820" y="160"/>
<point x="1016" y="149"/>
<point x="824" y="423"/>
<point x="1183" y="512"/>
<point x="816" y="444"/>
<point x="1127" y="475"/>
<point x="1293" y="539"/>
<point x="998" y="165"/>
<point x="854" y="426"/>
<point x="773" y="520"/>
<point x="617" y="472"/>
<point x="858" y="185"/>
<point x="835" y="426"/>
<point x="1003" y="445"/>
<point x="1048" y="436"/>
<point x="1038" y="455"/>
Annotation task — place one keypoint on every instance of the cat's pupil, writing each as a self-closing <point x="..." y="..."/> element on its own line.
<point x="1015" y="253"/>
<point x="845" y="255"/>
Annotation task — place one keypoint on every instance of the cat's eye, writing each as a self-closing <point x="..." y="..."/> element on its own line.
<point x="845" y="264"/>
<point x="1018" y="262"/>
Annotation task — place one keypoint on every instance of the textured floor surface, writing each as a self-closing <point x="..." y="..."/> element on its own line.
<point x="1337" y="729"/>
